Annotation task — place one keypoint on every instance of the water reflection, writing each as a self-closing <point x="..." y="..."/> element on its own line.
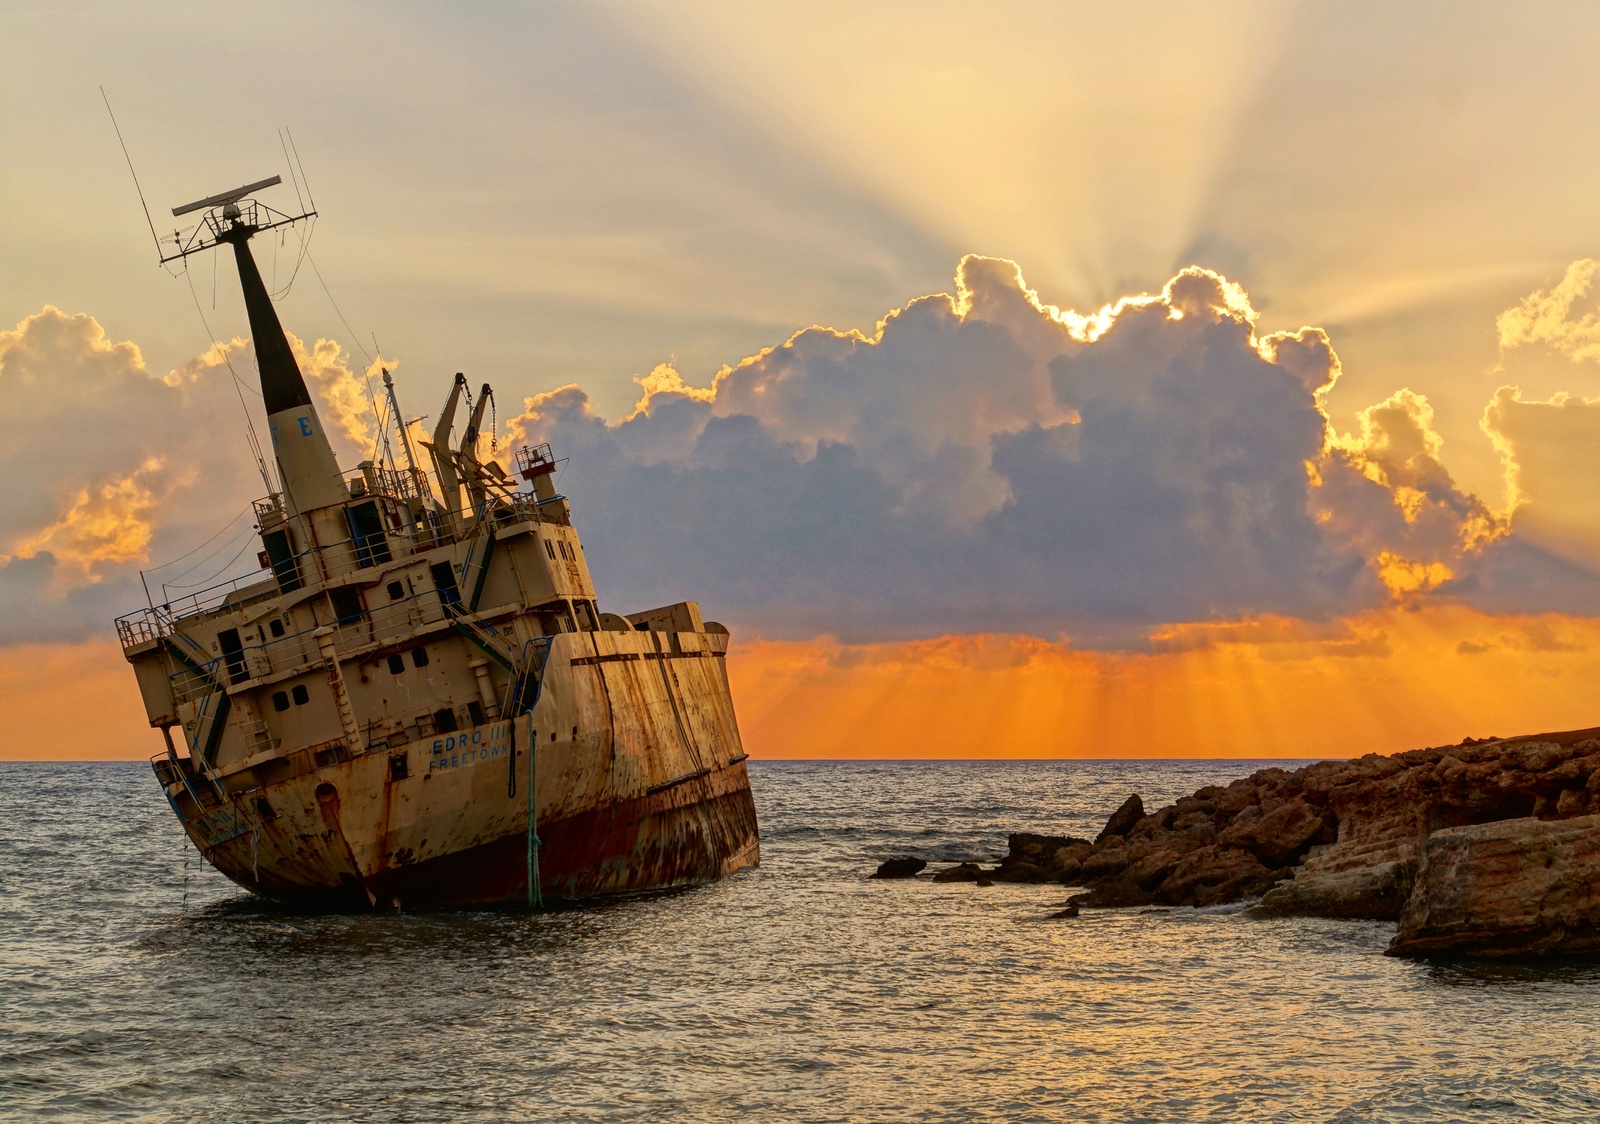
<point x="800" y="989"/>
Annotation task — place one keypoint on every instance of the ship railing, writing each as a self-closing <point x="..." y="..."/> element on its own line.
<point x="369" y="479"/>
<point x="141" y="627"/>
<point x="269" y="510"/>
<point x="191" y="683"/>
<point x="376" y="626"/>
<point x="243" y="590"/>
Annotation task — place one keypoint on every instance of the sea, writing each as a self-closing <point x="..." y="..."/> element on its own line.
<point x="138" y="984"/>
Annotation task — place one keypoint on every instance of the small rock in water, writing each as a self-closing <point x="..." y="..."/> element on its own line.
<point x="961" y="872"/>
<point x="902" y="866"/>
<point x="982" y="880"/>
<point x="1070" y="911"/>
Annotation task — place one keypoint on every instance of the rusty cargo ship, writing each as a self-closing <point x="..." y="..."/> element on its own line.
<point x="418" y="701"/>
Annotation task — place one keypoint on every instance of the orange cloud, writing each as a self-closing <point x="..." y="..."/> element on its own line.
<point x="346" y="397"/>
<point x="1546" y="317"/>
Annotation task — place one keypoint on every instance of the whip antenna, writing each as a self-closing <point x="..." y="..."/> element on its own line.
<point x="131" y="172"/>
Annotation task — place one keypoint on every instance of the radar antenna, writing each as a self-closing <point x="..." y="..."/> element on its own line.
<point x="225" y="212"/>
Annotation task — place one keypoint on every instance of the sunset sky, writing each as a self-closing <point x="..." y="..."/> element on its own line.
<point x="1029" y="380"/>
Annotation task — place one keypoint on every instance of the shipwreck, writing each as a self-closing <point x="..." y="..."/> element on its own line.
<point x="418" y="701"/>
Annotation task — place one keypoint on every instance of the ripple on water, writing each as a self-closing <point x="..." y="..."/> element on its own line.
<point x="137" y="984"/>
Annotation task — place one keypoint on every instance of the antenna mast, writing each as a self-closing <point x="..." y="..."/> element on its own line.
<point x="225" y="213"/>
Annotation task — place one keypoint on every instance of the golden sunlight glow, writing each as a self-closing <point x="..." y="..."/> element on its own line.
<point x="1382" y="682"/>
<point x="109" y="523"/>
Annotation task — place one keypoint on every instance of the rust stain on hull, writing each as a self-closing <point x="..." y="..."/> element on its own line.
<point x="640" y="780"/>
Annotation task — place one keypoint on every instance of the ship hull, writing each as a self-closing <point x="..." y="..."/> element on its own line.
<point x="648" y="791"/>
<point x="652" y="842"/>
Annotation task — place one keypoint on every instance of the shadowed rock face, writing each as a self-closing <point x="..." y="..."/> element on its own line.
<point x="1513" y="888"/>
<point x="1334" y="839"/>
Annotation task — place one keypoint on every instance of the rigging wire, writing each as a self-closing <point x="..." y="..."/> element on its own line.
<point x="249" y="422"/>
<point x="226" y="545"/>
<point x="300" y="257"/>
<point x="202" y="546"/>
<point x="213" y="576"/>
<point x="292" y="177"/>
<point x="382" y="439"/>
<point x="296" y="148"/>
<point x="310" y="258"/>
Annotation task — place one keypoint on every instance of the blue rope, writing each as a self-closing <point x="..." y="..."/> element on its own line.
<point x="535" y="890"/>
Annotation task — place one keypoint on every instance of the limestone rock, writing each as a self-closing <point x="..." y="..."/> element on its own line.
<point x="1372" y="893"/>
<point x="1333" y="839"/>
<point x="1514" y="888"/>
<point x="1123" y="819"/>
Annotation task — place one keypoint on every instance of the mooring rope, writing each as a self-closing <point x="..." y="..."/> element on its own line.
<point x="535" y="890"/>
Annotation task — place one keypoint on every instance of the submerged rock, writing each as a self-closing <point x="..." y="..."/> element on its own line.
<point x="902" y="866"/>
<point x="1519" y="887"/>
<point x="961" y="872"/>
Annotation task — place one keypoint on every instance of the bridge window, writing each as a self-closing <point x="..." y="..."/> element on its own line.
<point x="397" y="663"/>
<point x="275" y="626"/>
<point x="366" y="528"/>
<point x="475" y="712"/>
<point x="301" y="695"/>
<point x="233" y="655"/>
<point x="396" y="591"/>
<point x="444" y="579"/>
<point x="444" y="721"/>
<point x="280" y="555"/>
<point x="419" y="657"/>
<point x="280" y="700"/>
<point x="347" y="605"/>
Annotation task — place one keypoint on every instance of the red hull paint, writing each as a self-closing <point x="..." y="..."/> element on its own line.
<point x="694" y="832"/>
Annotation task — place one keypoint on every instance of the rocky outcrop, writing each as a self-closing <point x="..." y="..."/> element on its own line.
<point x="1522" y="887"/>
<point x="902" y="866"/>
<point x="1334" y="839"/>
<point x="1123" y="819"/>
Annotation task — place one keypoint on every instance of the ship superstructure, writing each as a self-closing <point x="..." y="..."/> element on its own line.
<point x="420" y="702"/>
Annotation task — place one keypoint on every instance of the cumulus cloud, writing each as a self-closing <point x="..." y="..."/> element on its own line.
<point x="346" y="398"/>
<point x="1135" y="477"/>
<point x="987" y="461"/>
<point x="113" y="468"/>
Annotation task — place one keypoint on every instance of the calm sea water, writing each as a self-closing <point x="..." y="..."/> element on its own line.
<point x="136" y="984"/>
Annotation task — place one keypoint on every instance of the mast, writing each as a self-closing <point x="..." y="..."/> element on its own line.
<point x="405" y="433"/>
<point x="306" y="464"/>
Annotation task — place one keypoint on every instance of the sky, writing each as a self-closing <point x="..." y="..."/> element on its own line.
<point x="1028" y="380"/>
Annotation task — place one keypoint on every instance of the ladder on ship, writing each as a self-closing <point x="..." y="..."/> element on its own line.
<point x="524" y="665"/>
